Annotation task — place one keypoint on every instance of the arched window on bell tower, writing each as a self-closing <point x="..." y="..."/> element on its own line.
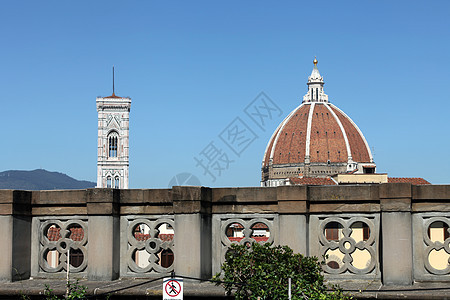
<point x="113" y="139"/>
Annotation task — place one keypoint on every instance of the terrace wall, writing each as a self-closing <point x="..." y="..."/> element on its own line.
<point x="399" y="229"/>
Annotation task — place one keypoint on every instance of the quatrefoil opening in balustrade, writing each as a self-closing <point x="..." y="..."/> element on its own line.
<point x="235" y="232"/>
<point x="62" y="241"/>
<point x="437" y="238"/>
<point x="246" y="232"/>
<point x="151" y="246"/>
<point x="347" y="245"/>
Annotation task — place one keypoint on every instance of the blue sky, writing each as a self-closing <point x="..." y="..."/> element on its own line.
<point x="191" y="68"/>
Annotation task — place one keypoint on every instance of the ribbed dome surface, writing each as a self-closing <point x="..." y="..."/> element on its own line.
<point x="317" y="140"/>
<point x="320" y="132"/>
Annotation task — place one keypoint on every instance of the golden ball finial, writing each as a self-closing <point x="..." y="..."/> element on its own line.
<point x="315" y="61"/>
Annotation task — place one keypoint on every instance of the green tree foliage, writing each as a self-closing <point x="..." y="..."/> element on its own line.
<point x="263" y="271"/>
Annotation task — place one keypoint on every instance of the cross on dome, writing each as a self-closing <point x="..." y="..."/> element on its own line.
<point x="315" y="86"/>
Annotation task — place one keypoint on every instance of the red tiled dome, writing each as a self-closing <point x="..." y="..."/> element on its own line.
<point x="316" y="139"/>
<point x="318" y="130"/>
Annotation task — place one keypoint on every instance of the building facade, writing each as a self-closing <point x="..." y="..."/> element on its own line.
<point x="113" y="141"/>
<point x="316" y="139"/>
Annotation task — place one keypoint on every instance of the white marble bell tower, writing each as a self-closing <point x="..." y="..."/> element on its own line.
<point x="113" y="141"/>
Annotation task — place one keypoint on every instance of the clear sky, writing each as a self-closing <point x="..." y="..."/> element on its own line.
<point x="192" y="67"/>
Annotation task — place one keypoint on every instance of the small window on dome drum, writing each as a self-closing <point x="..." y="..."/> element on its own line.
<point x="368" y="170"/>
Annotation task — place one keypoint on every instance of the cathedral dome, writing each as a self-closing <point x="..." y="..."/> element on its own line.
<point x="316" y="139"/>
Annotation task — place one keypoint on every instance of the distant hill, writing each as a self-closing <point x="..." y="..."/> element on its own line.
<point x="40" y="180"/>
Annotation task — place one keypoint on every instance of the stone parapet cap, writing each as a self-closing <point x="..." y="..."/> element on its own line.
<point x="303" y="199"/>
<point x="292" y="207"/>
<point x="286" y="193"/>
<point x="435" y="206"/>
<point x="59" y="197"/>
<point x="292" y="199"/>
<point x="431" y="192"/>
<point x="398" y="205"/>
<point x="191" y="199"/>
<point x="245" y="200"/>
<point x="343" y="193"/>
<point x="344" y="207"/>
<point x="6" y="196"/>
<point x="395" y="190"/>
<point x="244" y="194"/>
<point x="102" y="195"/>
<point x="101" y="201"/>
<point x="13" y="202"/>
<point x="188" y="192"/>
<point x="146" y="196"/>
<point x="429" y="198"/>
<point x="239" y="208"/>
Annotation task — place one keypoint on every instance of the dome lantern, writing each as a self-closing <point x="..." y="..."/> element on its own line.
<point x="315" y="86"/>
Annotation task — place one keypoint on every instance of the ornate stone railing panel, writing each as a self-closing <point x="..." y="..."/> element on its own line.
<point x="431" y="246"/>
<point x="348" y="243"/>
<point x="147" y="245"/>
<point x="243" y="230"/>
<point x="58" y="241"/>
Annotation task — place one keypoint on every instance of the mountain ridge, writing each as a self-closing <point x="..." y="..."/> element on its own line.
<point x="40" y="179"/>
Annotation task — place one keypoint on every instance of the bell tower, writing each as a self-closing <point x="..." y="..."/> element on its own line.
<point x="113" y="141"/>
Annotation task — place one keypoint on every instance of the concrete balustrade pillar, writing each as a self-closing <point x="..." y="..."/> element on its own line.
<point x="15" y="235"/>
<point x="292" y="209"/>
<point x="396" y="228"/>
<point x="104" y="234"/>
<point x="192" y="210"/>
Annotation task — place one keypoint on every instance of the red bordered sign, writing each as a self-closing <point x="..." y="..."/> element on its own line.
<point x="173" y="289"/>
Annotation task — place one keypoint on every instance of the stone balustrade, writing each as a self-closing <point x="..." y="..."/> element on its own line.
<point x="396" y="234"/>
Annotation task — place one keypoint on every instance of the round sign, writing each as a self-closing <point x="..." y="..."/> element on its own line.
<point x="173" y="288"/>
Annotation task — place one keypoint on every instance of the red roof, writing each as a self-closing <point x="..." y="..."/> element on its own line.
<point x="412" y="180"/>
<point x="145" y="236"/>
<point x="329" y="129"/>
<point x="236" y="225"/>
<point x="113" y="96"/>
<point x="311" y="181"/>
<point x="165" y="237"/>
<point x="260" y="226"/>
<point x="54" y="234"/>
